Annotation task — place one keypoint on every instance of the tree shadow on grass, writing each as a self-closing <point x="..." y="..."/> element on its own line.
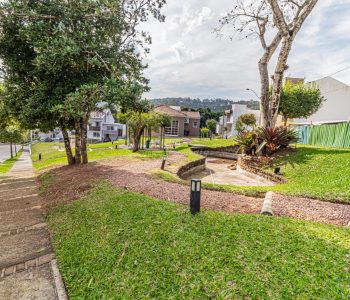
<point x="303" y="154"/>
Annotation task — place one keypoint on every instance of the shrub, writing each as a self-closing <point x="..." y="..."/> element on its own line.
<point x="277" y="137"/>
<point x="245" y="141"/>
<point x="244" y="122"/>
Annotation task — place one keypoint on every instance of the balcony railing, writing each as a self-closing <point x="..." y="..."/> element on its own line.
<point x="95" y="128"/>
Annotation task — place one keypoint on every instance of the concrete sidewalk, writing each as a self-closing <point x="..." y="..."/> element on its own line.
<point x="28" y="269"/>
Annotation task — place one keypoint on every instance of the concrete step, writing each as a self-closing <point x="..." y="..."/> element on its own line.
<point x="19" y="182"/>
<point x="25" y="189"/>
<point x="36" y="283"/>
<point x="21" y="219"/>
<point x="18" y="248"/>
<point x="17" y="193"/>
<point x="18" y="203"/>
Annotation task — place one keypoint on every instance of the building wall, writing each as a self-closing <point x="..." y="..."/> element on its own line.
<point x="194" y="132"/>
<point x="337" y="104"/>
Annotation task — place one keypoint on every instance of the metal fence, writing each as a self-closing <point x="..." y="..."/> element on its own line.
<point x="331" y="135"/>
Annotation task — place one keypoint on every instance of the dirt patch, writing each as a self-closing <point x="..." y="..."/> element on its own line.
<point x="71" y="183"/>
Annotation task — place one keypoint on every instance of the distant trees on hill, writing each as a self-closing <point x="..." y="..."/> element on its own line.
<point x="215" y="105"/>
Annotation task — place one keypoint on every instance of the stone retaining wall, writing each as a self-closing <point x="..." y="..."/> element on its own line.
<point x="229" y="152"/>
<point x="191" y="168"/>
<point x="249" y="164"/>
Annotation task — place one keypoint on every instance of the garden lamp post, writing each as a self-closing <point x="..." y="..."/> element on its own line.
<point x="195" y="201"/>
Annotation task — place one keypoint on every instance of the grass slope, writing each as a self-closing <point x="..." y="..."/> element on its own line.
<point x="114" y="244"/>
<point x="52" y="156"/>
<point x="8" y="164"/>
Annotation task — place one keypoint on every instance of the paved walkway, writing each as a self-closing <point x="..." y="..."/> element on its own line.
<point x="28" y="269"/>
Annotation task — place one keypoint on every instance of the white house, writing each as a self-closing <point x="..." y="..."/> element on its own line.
<point x="102" y="127"/>
<point x="228" y="121"/>
<point x="336" y="108"/>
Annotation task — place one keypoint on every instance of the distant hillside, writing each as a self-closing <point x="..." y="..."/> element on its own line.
<point x="216" y="105"/>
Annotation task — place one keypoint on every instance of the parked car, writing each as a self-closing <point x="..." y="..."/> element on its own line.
<point x="47" y="140"/>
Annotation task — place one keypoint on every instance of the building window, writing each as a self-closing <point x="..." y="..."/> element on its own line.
<point x="120" y="132"/>
<point x="195" y="124"/>
<point x="110" y="128"/>
<point x="97" y="124"/>
<point x="174" y="129"/>
<point x="96" y="134"/>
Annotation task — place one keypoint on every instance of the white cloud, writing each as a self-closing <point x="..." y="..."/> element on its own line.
<point x="182" y="53"/>
<point x="188" y="60"/>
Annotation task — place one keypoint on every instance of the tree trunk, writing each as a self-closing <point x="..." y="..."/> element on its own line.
<point x="264" y="92"/>
<point x="67" y="145"/>
<point x="285" y="120"/>
<point x="11" y="150"/>
<point x="137" y="139"/>
<point x="78" y="142"/>
<point x="277" y="81"/>
<point x="126" y="135"/>
<point x="84" y="125"/>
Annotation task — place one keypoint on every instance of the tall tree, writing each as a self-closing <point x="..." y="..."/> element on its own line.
<point x="275" y="23"/>
<point x="299" y="101"/>
<point x="50" y="49"/>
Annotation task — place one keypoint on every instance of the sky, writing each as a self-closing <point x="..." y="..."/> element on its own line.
<point x="188" y="60"/>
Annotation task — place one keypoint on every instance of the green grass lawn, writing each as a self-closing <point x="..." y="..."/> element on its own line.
<point x="113" y="244"/>
<point x="8" y="164"/>
<point x="52" y="156"/>
<point x="213" y="143"/>
<point x="318" y="172"/>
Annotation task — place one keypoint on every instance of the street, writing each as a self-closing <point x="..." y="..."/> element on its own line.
<point x="5" y="152"/>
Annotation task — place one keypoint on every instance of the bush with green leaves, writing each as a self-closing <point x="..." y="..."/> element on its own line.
<point x="245" y="122"/>
<point x="246" y="141"/>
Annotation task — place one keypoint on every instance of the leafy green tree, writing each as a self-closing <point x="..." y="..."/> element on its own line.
<point x="138" y="122"/>
<point x="299" y="101"/>
<point x="51" y="49"/>
<point x="204" y="132"/>
<point x="245" y="122"/>
<point x="211" y="125"/>
<point x="12" y="134"/>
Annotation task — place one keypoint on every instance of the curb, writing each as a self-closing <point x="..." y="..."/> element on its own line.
<point x="59" y="285"/>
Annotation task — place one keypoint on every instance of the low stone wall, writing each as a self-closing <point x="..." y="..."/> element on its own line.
<point x="191" y="168"/>
<point x="250" y="164"/>
<point x="229" y="152"/>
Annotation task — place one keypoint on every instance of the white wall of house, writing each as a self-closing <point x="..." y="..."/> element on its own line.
<point x="100" y="126"/>
<point x="229" y="119"/>
<point x="337" y="104"/>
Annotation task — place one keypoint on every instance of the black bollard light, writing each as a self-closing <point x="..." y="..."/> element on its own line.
<point x="116" y="146"/>
<point x="277" y="170"/>
<point x="163" y="162"/>
<point x="39" y="156"/>
<point x="195" y="201"/>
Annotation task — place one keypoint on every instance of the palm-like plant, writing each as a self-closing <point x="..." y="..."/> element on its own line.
<point x="245" y="141"/>
<point x="277" y="137"/>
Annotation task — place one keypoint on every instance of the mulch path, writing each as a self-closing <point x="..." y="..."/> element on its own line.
<point x="132" y="175"/>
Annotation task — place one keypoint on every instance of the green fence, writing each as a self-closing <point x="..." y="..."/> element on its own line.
<point x="331" y="135"/>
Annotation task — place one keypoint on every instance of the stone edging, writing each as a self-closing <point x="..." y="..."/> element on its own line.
<point x="32" y="263"/>
<point x="191" y="167"/>
<point x="22" y="229"/>
<point x="229" y="152"/>
<point x="246" y="164"/>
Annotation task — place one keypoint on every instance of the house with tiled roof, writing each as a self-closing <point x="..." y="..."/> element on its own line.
<point x="183" y="123"/>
